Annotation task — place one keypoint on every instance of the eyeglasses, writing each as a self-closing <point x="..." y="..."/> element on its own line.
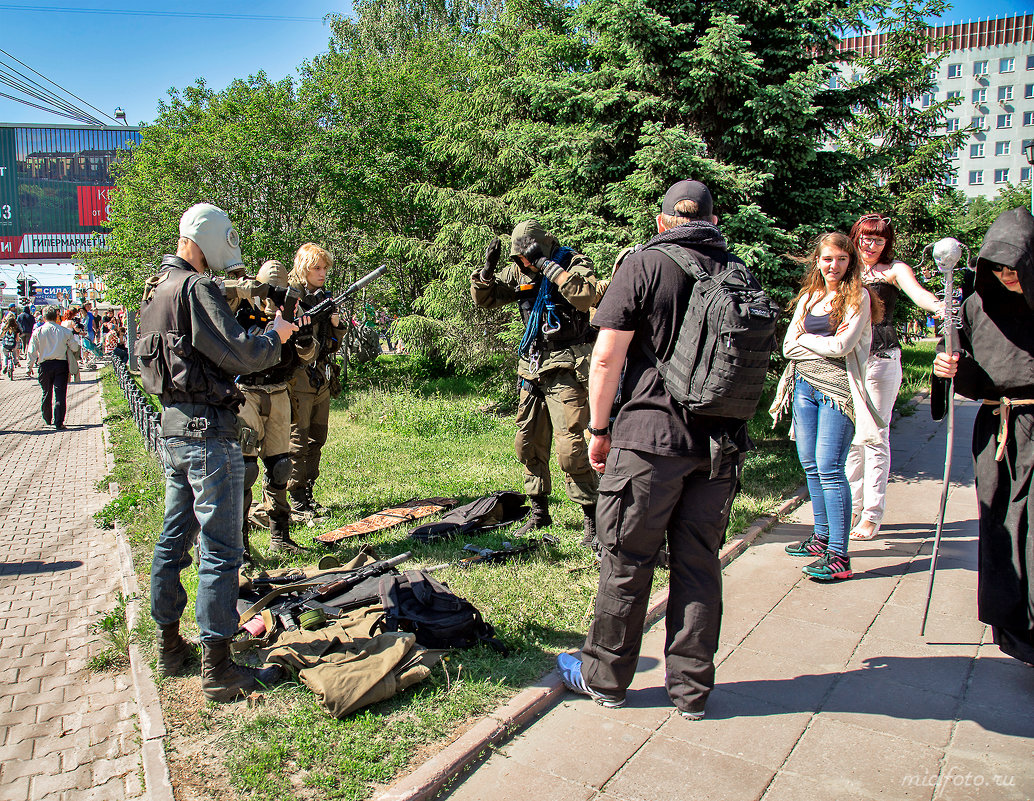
<point x="874" y="218"/>
<point x="997" y="268"/>
<point x="871" y="240"/>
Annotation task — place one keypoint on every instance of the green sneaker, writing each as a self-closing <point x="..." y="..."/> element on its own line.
<point x="830" y="567"/>
<point x="812" y="546"/>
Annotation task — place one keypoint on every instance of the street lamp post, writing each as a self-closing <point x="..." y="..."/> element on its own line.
<point x="1028" y="151"/>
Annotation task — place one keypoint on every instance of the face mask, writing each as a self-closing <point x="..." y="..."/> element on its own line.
<point x="210" y="228"/>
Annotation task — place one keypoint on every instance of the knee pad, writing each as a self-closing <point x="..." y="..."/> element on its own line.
<point x="278" y="470"/>
<point x="251" y="470"/>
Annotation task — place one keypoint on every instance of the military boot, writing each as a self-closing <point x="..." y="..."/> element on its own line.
<point x="222" y="680"/>
<point x="246" y="534"/>
<point x="539" y="517"/>
<point x="318" y="508"/>
<point x="280" y="538"/>
<point x="173" y="650"/>
<point x="589" y="538"/>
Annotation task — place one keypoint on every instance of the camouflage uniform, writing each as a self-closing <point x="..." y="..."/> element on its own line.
<point x="310" y="408"/>
<point x="553" y="373"/>
<point x="266" y="416"/>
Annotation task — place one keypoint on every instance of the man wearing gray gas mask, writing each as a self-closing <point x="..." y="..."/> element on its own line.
<point x="190" y="348"/>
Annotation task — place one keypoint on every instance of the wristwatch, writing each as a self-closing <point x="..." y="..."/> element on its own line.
<point x="599" y="432"/>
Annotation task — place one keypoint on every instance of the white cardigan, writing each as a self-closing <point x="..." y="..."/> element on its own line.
<point x="851" y="341"/>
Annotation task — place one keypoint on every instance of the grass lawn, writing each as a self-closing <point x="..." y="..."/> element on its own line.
<point x="422" y="437"/>
<point x="916" y="361"/>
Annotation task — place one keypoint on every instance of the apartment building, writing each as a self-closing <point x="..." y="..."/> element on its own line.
<point x="990" y="68"/>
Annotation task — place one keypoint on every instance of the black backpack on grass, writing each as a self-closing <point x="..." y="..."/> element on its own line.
<point x="415" y="602"/>
<point x="722" y="351"/>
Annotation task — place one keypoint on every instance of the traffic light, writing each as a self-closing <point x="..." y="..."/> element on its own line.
<point x="23" y="287"/>
<point x="30" y="290"/>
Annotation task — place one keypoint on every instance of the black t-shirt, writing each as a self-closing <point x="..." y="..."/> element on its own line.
<point x="649" y="295"/>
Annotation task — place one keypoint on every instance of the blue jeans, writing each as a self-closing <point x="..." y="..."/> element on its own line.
<point x="824" y="436"/>
<point x="204" y="498"/>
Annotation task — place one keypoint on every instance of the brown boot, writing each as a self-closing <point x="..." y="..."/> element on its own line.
<point x="539" y="517"/>
<point x="280" y="538"/>
<point x="173" y="650"/>
<point x="222" y="680"/>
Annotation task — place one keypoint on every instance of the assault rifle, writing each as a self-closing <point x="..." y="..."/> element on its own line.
<point x="328" y="306"/>
<point x="291" y="611"/>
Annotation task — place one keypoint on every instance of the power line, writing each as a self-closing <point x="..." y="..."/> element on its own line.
<point x="44" y="77"/>
<point x="19" y="81"/>
<point x="140" y="13"/>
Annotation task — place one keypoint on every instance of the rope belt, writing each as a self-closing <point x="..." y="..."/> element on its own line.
<point x="1004" y="405"/>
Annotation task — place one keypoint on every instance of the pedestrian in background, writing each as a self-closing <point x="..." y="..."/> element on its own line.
<point x="994" y="364"/>
<point x="868" y="466"/>
<point x="827" y="343"/>
<point x="26" y="322"/>
<point x="51" y="346"/>
<point x="10" y="336"/>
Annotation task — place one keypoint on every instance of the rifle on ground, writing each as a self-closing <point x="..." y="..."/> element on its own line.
<point x="504" y="554"/>
<point x="291" y="611"/>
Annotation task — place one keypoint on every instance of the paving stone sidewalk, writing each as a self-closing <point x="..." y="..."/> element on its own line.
<point x="825" y="692"/>
<point x="66" y="732"/>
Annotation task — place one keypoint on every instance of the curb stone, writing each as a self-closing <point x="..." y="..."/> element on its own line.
<point x="426" y="781"/>
<point x="157" y="780"/>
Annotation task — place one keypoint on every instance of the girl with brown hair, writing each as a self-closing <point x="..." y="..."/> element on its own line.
<point x="827" y="344"/>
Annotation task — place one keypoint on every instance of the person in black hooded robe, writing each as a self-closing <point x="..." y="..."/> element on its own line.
<point x="995" y="364"/>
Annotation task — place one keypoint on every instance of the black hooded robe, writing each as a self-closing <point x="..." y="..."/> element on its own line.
<point x="996" y="345"/>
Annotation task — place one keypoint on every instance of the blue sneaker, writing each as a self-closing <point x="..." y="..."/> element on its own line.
<point x="570" y="670"/>
<point x="831" y="566"/>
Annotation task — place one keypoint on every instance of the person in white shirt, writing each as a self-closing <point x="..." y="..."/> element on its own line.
<point x="50" y="346"/>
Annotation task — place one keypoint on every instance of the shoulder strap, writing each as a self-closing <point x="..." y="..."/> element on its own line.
<point x="684" y="259"/>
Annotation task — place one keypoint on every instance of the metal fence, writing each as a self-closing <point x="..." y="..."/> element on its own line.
<point x="147" y="418"/>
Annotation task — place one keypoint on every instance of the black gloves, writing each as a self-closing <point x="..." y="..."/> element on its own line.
<point x="530" y="249"/>
<point x="492" y="253"/>
<point x="549" y="268"/>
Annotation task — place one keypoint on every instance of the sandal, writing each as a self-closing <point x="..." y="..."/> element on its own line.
<point x="857" y="534"/>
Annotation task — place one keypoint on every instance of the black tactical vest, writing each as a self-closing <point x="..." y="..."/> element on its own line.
<point x="169" y="366"/>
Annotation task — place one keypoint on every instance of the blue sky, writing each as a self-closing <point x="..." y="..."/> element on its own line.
<point x="132" y="60"/>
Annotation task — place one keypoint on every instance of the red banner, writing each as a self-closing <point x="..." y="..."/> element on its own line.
<point x="10" y="246"/>
<point x="93" y="204"/>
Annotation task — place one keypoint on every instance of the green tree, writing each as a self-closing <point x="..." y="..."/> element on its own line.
<point x="250" y="149"/>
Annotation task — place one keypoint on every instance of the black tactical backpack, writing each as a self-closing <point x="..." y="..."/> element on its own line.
<point x="722" y="351"/>
<point x="415" y="602"/>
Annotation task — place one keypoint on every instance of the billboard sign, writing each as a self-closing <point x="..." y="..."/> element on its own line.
<point x="55" y="186"/>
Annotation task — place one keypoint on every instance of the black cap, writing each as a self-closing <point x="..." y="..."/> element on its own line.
<point x="688" y="190"/>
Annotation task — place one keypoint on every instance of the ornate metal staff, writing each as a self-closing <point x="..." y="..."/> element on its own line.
<point x="946" y="254"/>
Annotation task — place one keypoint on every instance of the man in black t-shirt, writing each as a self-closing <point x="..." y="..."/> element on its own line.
<point x="666" y="472"/>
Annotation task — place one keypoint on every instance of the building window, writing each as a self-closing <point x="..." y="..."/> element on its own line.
<point x="979" y="96"/>
<point x="1028" y="91"/>
<point x="1006" y="64"/>
<point x="1002" y="176"/>
<point x="979" y="123"/>
<point x="951" y="124"/>
<point x="1023" y="147"/>
<point x="1003" y="148"/>
<point x="1005" y="120"/>
<point x="976" y="151"/>
<point x="956" y="93"/>
<point x="834" y="81"/>
<point x="1004" y="94"/>
<point x="980" y="68"/>
<point x="1025" y="175"/>
<point x="976" y="177"/>
<point x="953" y="178"/>
<point x="1028" y="117"/>
<point x="1030" y="62"/>
<point x="955" y="70"/>
<point x="927" y="99"/>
